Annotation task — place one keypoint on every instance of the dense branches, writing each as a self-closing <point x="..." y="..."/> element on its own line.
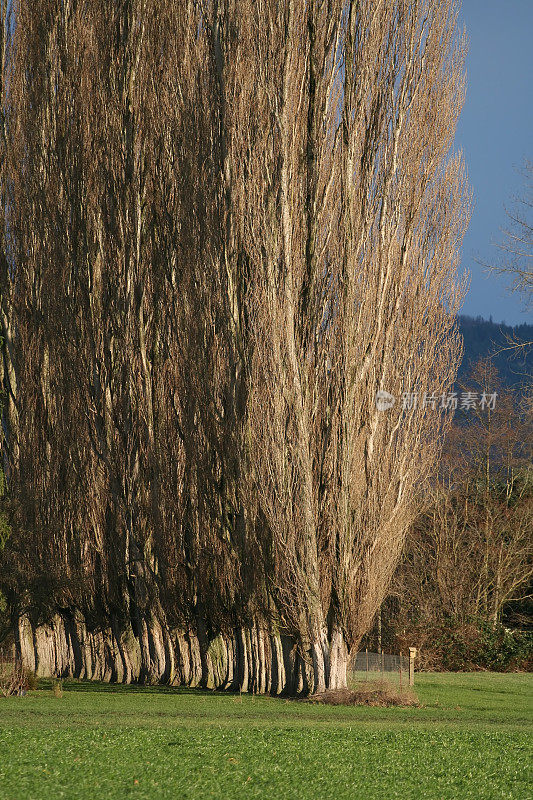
<point x="230" y="224"/>
<point x="468" y="561"/>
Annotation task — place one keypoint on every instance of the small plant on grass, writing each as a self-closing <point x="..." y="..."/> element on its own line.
<point x="32" y="681"/>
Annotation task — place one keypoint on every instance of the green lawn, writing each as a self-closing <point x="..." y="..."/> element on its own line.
<point x="470" y="739"/>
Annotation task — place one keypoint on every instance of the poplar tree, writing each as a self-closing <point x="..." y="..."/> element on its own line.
<point x="227" y="225"/>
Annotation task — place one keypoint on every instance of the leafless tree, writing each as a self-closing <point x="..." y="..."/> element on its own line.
<point x="228" y="225"/>
<point x="517" y="245"/>
<point x="470" y="551"/>
<point x="517" y="254"/>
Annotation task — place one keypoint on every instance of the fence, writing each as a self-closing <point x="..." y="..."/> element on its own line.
<point x="367" y="666"/>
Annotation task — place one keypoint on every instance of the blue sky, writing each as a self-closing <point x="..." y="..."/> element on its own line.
<point x="495" y="132"/>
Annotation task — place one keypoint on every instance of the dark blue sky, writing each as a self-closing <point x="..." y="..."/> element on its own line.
<point x="496" y="134"/>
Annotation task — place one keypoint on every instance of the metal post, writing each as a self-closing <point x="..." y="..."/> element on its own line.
<point x="367" y="663"/>
<point x="412" y="656"/>
<point x="400" y="669"/>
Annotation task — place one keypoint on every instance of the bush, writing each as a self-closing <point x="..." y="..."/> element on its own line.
<point x="379" y="693"/>
<point x="32" y="681"/>
<point x="476" y="644"/>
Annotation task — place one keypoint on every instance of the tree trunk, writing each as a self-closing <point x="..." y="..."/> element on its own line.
<point x="250" y="659"/>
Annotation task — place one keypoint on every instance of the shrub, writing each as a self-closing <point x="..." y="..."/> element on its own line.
<point x="32" y="681"/>
<point x="476" y="644"/>
<point x="379" y="693"/>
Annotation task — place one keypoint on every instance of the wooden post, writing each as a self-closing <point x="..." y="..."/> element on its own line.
<point x="367" y="663"/>
<point x="400" y="670"/>
<point x="382" y="666"/>
<point x="412" y="656"/>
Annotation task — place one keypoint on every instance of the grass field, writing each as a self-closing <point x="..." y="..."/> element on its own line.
<point x="470" y="739"/>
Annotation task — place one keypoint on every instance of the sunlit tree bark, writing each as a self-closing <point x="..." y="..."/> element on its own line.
<point x="229" y="225"/>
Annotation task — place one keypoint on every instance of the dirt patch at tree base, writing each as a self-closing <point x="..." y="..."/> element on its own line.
<point x="371" y="694"/>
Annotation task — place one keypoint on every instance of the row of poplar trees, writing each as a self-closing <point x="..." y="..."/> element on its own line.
<point x="227" y="224"/>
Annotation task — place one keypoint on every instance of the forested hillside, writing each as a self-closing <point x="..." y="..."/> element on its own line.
<point x="484" y="338"/>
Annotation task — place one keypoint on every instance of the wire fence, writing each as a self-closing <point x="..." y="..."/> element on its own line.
<point x="368" y="666"/>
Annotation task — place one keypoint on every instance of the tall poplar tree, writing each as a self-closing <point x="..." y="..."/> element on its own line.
<point x="227" y="225"/>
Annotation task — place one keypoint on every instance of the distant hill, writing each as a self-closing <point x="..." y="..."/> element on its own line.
<point x="484" y="337"/>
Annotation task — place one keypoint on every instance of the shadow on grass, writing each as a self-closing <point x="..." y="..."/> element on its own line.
<point x="72" y="685"/>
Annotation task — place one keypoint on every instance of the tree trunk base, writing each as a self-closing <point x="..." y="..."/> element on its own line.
<point x="250" y="659"/>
